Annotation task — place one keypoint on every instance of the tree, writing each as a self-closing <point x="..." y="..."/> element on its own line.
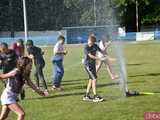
<point x="55" y="14"/>
<point x="148" y="12"/>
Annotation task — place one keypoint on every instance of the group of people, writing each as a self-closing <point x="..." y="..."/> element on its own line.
<point x="16" y="69"/>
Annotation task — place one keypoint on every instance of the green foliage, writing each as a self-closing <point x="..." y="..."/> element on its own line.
<point x="148" y="10"/>
<point x="55" y="14"/>
<point x="153" y="16"/>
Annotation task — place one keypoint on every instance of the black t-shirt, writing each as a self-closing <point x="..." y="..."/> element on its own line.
<point x="9" y="61"/>
<point x="91" y="50"/>
<point x="38" y="55"/>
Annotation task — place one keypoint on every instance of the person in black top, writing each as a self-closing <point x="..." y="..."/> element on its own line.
<point x="37" y="55"/>
<point x="8" y="58"/>
<point x="8" y="61"/>
<point x="90" y="66"/>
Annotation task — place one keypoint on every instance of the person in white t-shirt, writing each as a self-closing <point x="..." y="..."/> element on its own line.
<point x="103" y="45"/>
<point x="57" y="61"/>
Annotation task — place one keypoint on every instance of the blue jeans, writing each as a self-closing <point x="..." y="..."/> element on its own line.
<point x="58" y="72"/>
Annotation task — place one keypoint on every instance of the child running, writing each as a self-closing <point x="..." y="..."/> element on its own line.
<point x="103" y="45"/>
<point x="14" y="84"/>
<point x="90" y="66"/>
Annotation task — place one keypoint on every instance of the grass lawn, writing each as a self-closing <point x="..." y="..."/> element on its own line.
<point x="143" y="67"/>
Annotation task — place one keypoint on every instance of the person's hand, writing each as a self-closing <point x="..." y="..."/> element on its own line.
<point x="31" y="56"/>
<point x="65" y="52"/>
<point x="46" y="93"/>
<point x="83" y="61"/>
<point x="13" y="72"/>
<point x="103" y="58"/>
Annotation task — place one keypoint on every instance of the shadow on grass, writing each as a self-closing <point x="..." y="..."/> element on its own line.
<point x="148" y="74"/>
<point x="69" y="82"/>
<point x="82" y="86"/>
<point x="112" y="98"/>
<point x="57" y="96"/>
<point x="134" y="64"/>
<point x="131" y="82"/>
<point x="106" y="98"/>
<point x="81" y="79"/>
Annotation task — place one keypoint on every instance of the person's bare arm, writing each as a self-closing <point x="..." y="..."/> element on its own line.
<point x="30" y="83"/>
<point x="4" y="76"/>
<point x="8" y="75"/>
<point x="93" y="57"/>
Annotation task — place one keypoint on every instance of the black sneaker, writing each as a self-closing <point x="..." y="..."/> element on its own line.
<point x="132" y="93"/>
<point x="87" y="98"/>
<point x="97" y="99"/>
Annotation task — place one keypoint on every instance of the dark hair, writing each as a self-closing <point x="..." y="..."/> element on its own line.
<point x="4" y="44"/>
<point x="21" y="65"/>
<point x="29" y="42"/>
<point x="20" y="41"/>
<point x="61" y="37"/>
<point x="92" y="38"/>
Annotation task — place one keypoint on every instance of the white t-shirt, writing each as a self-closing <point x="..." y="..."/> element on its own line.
<point x="102" y="46"/>
<point x="58" y="48"/>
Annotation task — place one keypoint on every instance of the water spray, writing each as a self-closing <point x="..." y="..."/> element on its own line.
<point x="117" y="47"/>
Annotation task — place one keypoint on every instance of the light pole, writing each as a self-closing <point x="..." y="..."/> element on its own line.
<point x="25" y="21"/>
<point x="95" y="15"/>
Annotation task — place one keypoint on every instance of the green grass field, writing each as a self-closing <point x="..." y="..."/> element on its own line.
<point x="143" y="67"/>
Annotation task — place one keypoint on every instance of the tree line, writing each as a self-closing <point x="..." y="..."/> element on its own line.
<point x="56" y="14"/>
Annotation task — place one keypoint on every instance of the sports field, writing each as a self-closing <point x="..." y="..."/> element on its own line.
<point x="143" y="67"/>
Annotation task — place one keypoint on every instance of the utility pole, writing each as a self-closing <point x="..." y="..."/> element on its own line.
<point x="95" y="14"/>
<point x="25" y="20"/>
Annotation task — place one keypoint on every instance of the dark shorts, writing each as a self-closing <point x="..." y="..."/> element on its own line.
<point x="91" y="70"/>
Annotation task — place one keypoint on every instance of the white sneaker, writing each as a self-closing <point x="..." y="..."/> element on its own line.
<point x="87" y="98"/>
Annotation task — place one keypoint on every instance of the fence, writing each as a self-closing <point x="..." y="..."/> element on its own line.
<point x="50" y="37"/>
<point x="39" y="37"/>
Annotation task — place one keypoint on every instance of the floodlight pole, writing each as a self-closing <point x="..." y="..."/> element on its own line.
<point x="25" y="21"/>
<point x="95" y="15"/>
